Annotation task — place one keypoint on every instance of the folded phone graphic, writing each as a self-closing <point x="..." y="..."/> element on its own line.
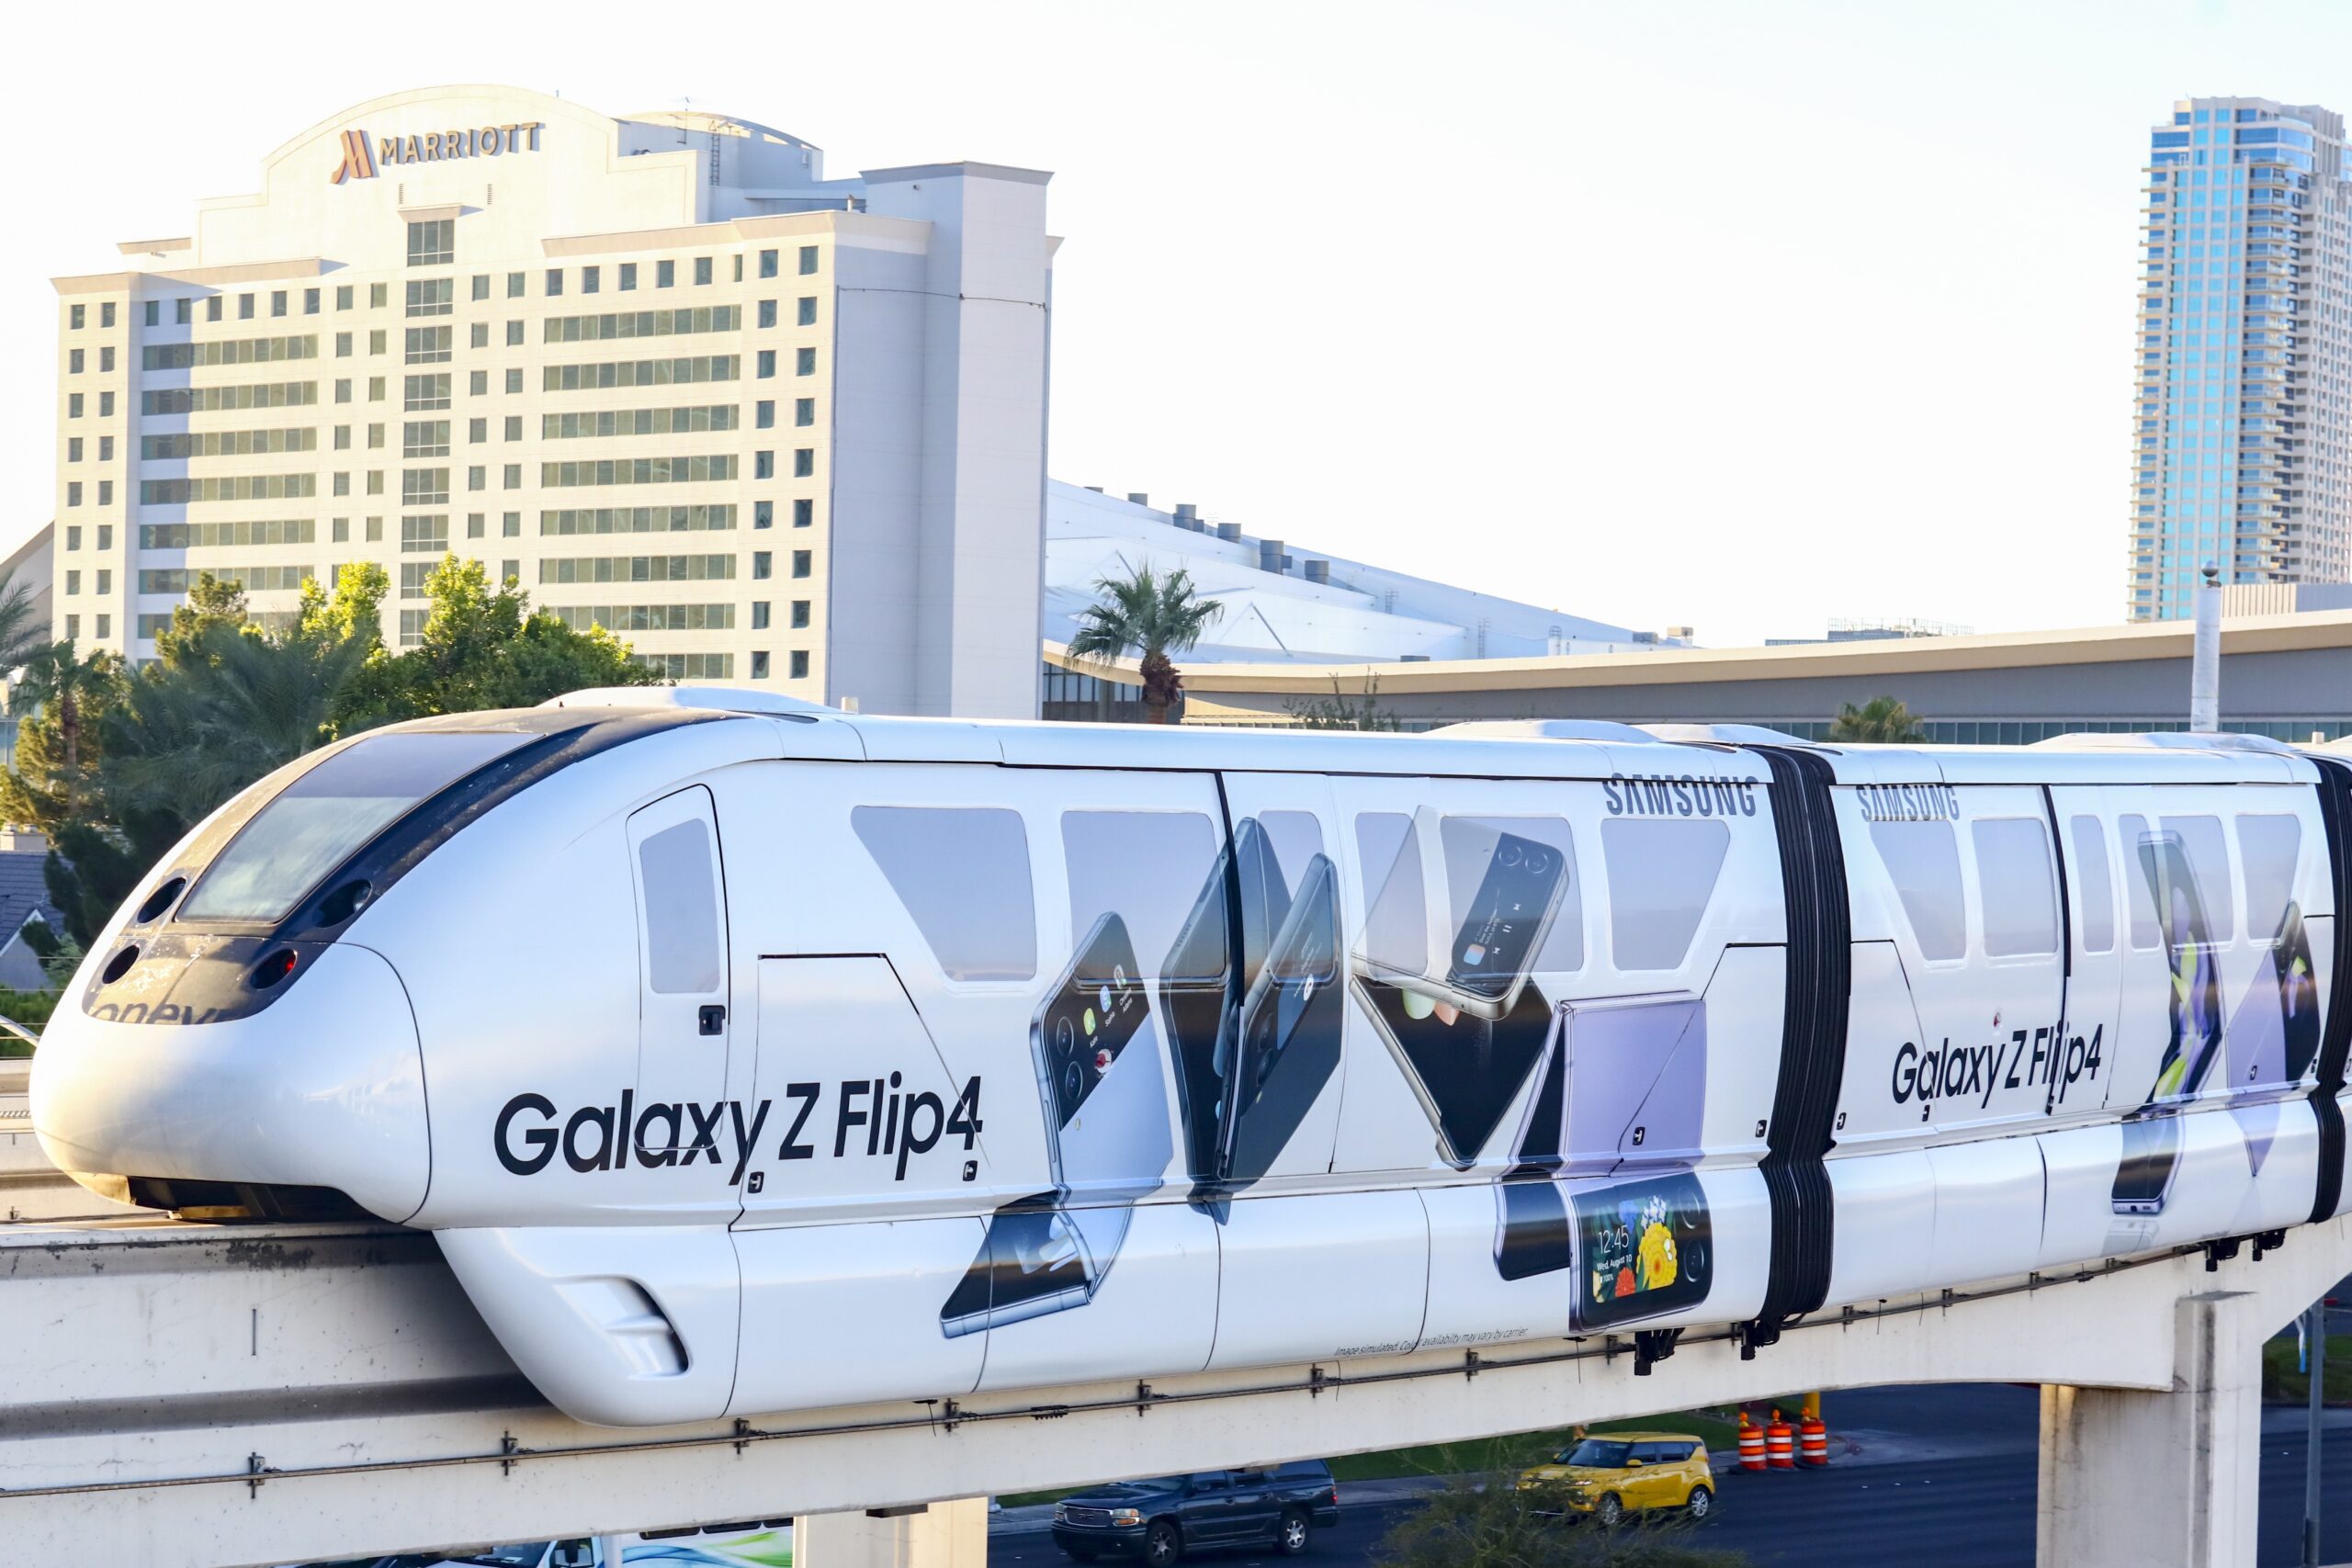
<point x="2150" y="1155"/>
<point x="1609" y="1133"/>
<point x="1462" y="914"/>
<point x="1466" y="1071"/>
<point x="1285" y="1047"/>
<point x="1107" y="1140"/>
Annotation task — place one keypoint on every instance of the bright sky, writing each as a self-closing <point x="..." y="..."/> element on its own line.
<point x="1737" y="313"/>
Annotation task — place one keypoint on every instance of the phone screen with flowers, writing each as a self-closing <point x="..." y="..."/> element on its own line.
<point x="1643" y="1247"/>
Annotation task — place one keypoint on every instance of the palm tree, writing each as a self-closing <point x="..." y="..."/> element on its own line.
<point x="1155" y="615"/>
<point x="23" y="630"/>
<point x="56" y="677"/>
<point x="1882" y="719"/>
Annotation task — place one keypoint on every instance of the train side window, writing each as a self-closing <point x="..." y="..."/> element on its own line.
<point x="1661" y="875"/>
<point x="2095" y="902"/>
<point x="2209" y="863"/>
<point x="1147" y="867"/>
<point x="2141" y="893"/>
<point x="1479" y="850"/>
<point x="2268" y="847"/>
<point x="962" y="875"/>
<point x="1922" y="859"/>
<point x="2013" y="879"/>
<point x="681" y="909"/>
<point x="1396" y="923"/>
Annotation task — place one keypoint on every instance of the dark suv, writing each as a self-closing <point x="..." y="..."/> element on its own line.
<point x="1161" y="1520"/>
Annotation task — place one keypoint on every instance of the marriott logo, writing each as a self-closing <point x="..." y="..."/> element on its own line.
<point x="363" y="155"/>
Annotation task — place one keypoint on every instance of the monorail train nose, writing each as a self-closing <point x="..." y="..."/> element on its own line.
<point x="297" y="1110"/>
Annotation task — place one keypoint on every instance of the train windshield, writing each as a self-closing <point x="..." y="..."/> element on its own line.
<point x="317" y="821"/>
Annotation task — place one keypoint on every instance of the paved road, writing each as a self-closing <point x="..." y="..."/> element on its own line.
<point x="1972" y="1506"/>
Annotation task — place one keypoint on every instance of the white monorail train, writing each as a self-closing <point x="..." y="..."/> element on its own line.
<point x="747" y="1058"/>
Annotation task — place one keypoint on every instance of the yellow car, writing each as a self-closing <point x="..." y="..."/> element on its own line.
<point x="1624" y="1472"/>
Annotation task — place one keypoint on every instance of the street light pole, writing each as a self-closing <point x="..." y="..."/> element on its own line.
<point x="2205" y="665"/>
<point x="2315" y="1341"/>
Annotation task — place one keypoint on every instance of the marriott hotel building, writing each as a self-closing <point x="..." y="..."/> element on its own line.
<point x="769" y="428"/>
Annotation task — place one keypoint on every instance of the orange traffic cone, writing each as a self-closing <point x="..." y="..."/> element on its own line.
<point x="1751" y="1444"/>
<point x="1780" y="1444"/>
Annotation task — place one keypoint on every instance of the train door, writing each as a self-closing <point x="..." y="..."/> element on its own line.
<point x="682" y="995"/>
<point x="1280" y="1081"/>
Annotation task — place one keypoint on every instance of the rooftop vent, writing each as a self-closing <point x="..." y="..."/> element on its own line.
<point x="1318" y="571"/>
<point x="1187" y="514"/>
<point x="1269" y="556"/>
<point x="1229" y="532"/>
<point x="1139" y="497"/>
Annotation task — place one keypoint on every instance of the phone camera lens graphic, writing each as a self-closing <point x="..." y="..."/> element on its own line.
<point x="1538" y="862"/>
<point x="1507" y="854"/>
<point x="1073" y="1079"/>
<point x="1064" y="1037"/>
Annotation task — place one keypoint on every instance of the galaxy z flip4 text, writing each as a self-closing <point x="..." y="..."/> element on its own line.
<point x="868" y="1119"/>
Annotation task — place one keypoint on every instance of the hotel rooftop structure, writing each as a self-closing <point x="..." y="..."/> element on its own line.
<point x="769" y="427"/>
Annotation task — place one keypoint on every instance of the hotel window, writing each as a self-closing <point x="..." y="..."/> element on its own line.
<point x="422" y="535"/>
<point x="378" y="340"/>
<point x="343" y="296"/>
<point x="105" y="405"/>
<point x="514" y="427"/>
<point x="374" y="527"/>
<point x="105" y="357"/>
<point x="341" y="485"/>
<point x="514" y="380"/>
<point x="801" y="615"/>
<point x="432" y="296"/>
<point x="183" y="311"/>
<point x="804" y="462"/>
<point x="106" y="492"/>
<point x="73" y="494"/>
<point x="509" y="572"/>
<point x="800" y="664"/>
<point x="375" y="437"/>
<point x="804" y="411"/>
<point x="808" y="317"/>
<point x="767" y="312"/>
<point x="764" y="415"/>
<point x="73" y="627"/>
<point x="763" y="566"/>
<point x="339" y="530"/>
<point x="510" y="524"/>
<point x="629" y="277"/>
<point x="343" y="345"/>
<point x="477" y="523"/>
<point x="74" y="449"/>
<point x="763" y="514"/>
<point x="212" y="306"/>
<point x="433" y="244"/>
<point x="702" y="269"/>
<point x="74" y="405"/>
<point x="73" y="582"/>
<point x="591" y="279"/>
<point x="767" y="264"/>
<point x="378" y="296"/>
<point x="804" y="513"/>
<point x="481" y="285"/>
<point x="310" y="301"/>
<point x="73" y="362"/>
<point x="106" y="448"/>
<point x="800" y="563"/>
<point x="424" y="438"/>
<point x="513" y="334"/>
<point x="343" y="439"/>
<point x="665" y="274"/>
<point x="763" y="465"/>
<point x="245" y="307"/>
<point x="73" y="538"/>
<point x="804" y="361"/>
<point x="105" y="626"/>
<point x="278" y="301"/>
<point x="374" y="481"/>
<point x="477" y="334"/>
<point x="106" y="314"/>
<point x="515" y="284"/>
<point x="555" y="281"/>
<point x="153" y="314"/>
<point x="759" y="615"/>
<point x="478" y="383"/>
<point x="420" y="392"/>
<point x="766" y="363"/>
<point x="511" y="479"/>
<point x="760" y="665"/>
<point x="78" y="316"/>
<point x="342" y="390"/>
<point x="808" y="260"/>
<point x="478" y="478"/>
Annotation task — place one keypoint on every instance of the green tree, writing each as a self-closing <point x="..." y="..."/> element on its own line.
<point x="1882" y="719"/>
<point x="1490" y="1523"/>
<point x="212" y="605"/>
<point x="481" y="648"/>
<point x="24" y="630"/>
<point x="1155" y="615"/>
<point x="1340" y="711"/>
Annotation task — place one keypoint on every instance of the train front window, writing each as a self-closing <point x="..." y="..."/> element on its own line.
<point x="317" y="821"/>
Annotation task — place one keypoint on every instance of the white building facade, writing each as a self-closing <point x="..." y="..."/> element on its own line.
<point x="768" y="427"/>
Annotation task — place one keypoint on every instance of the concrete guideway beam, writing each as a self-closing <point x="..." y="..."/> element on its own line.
<point x="158" y="1364"/>
<point x="944" y="1535"/>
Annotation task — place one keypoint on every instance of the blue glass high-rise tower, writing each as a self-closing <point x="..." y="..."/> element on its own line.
<point x="2245" y="354"/>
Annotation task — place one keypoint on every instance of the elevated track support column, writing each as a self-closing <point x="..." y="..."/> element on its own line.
<point x="943" y="1535"/>
<point x="2135" y="1476"/>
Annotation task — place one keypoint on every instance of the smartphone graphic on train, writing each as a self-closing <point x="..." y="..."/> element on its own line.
<point x="2151" y="1157"/>
<point x="1106" y="1139"/>
<point x="1462" y="915"/>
